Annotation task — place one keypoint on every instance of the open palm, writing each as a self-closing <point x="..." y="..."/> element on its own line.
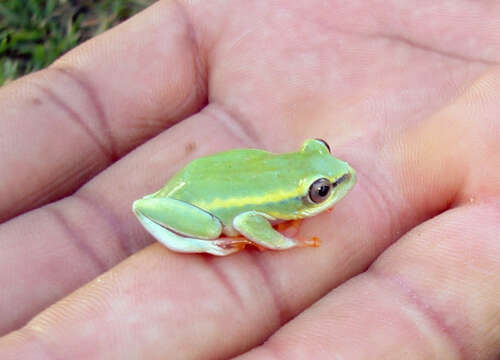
<point x="409" y="262"/>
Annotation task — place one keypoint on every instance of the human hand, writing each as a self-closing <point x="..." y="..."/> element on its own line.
<point x="409" y="262"/>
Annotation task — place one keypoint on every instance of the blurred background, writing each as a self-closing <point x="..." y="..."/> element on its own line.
<point x="33" y="33"/>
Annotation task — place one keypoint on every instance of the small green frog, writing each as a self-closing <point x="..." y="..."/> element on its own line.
<point x="240" y="194"/>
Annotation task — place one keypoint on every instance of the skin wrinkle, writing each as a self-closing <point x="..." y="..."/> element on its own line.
<point x="426" y="48"/>
<point x="50" y="189"/>
<point x="410" y="43"/>
<point x="200" y="65"/>
<point x="213" y="264"/>
<point x="115" y="224"/>
<point x="399" y="285"/>
<point x="456" y="199"/>
<point x="283" y="314"/>
<point x="380" y="202"/>
<point x="240" y="129"/>
<point x="78" y="120"/>
<point x="87" y="89"/>
<point x="80" y="243"/>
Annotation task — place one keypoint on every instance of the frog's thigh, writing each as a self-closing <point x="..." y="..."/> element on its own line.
<point x="256" y="227"/>
<point x="179" y="216"/>
<point x="158" y="209"/>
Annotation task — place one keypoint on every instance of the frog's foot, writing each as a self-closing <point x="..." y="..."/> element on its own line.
<point x="232" y="244"/>
<point x="310" y="242"/>
<point x="288" y="228"/>
<point x="291" y="229"/>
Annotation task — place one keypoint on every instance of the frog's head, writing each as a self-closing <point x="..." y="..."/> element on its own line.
<point x="328" y="178"/>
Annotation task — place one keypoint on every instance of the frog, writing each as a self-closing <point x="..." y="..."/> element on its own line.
<point x="220" y="203"/>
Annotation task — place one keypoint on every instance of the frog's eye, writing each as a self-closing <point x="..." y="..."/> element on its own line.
<point x="326" y="144"/>
<point x="319" y="190"/>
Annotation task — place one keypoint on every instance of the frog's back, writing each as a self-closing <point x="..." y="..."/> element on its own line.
<point x="216" y="174"/>
<point x="232" y="162"/>
<point x="235" y="173"/>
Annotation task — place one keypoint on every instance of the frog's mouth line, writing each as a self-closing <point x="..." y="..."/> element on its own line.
<point x="341" y="179"/>
<point x="343" y="185"/>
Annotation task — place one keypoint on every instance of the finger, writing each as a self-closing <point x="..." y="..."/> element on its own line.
<point x="433" y="295"/>
<point x="64" y="124"/>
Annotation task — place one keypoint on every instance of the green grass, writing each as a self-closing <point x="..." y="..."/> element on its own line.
<point x="33" y="33"/>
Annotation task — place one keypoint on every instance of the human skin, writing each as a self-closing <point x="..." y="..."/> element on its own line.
<point x="409" y="262"/>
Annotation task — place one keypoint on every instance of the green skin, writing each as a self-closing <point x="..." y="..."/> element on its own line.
<point x="241" y="192"/>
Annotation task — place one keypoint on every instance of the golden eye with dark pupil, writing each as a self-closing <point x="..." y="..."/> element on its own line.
<point x="319" y="190"/>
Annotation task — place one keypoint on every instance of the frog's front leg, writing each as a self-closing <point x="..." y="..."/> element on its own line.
<point x="256" y="227"/>
<point x="198" y="228"/>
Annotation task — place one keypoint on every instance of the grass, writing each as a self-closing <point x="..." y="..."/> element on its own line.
<point x="33" y="33"/>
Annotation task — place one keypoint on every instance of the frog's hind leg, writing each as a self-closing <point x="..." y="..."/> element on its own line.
<point x="186" y="244"/>
<point x="194" y="230"/>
